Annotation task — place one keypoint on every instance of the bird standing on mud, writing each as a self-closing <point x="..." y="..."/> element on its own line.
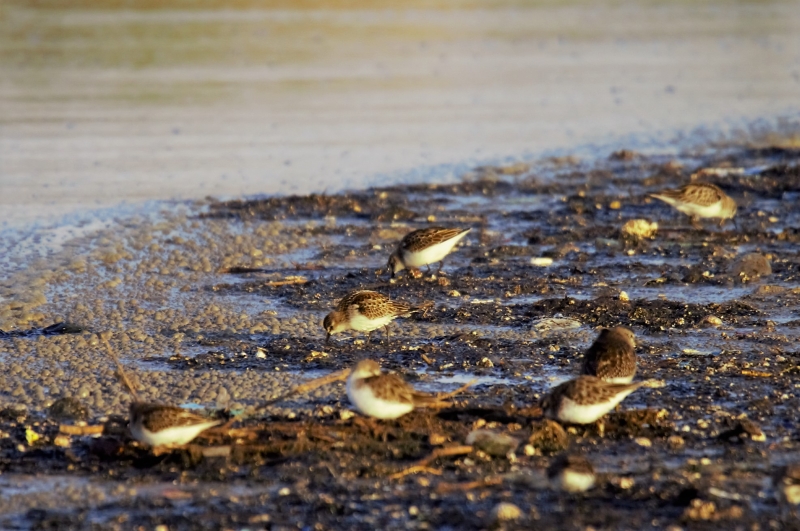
<point x="385" y="395"/>
<point x="584" y="400"/>
<point x="612" y="356"/>
<point x="424" y="247"/>
<point x="159" y="424"/>
<point x="364" y="311"/>
<point x="700" y="200"/>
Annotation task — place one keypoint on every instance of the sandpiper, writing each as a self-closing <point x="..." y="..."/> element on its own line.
<point x="364" y="311"/>
<point x="612" y="356"/>
<point x="384" y="395"/>
<point x="700" y="200"/>
<point x="423" y="247"/>
<point x="571" y="473"/>
<point x="584" y="399"/>
<point x="159" y="424"/>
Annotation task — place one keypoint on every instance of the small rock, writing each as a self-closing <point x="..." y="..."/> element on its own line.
<point x="751" y="265"/>
<point x="639" y="229"/>
<point x="711" y="320"/>
<point x="505" y="512"/>
<point x="541" y="261"/>
<point x="14" y="413"/>
<point x="549" y="437"/>
<point x="549" y="324"/>
<point x="63" y="441"/>
<point x="743" y="429"/>
<point x="492" y="443"/>
<point x="675" y="442"/>
<point x="68" y="408"/>
<point x="437" y="439"/>
<point x="768" y="290"/>
<point x="700" y="510"/>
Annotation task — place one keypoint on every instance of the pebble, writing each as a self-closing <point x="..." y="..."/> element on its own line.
<point x="505" y="512"/>
<point x="751" y="265"/>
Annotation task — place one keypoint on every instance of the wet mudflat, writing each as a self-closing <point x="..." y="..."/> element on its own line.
<point x="219" y="305"/>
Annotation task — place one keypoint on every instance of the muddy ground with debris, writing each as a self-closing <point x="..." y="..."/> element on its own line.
<point x="218" y="306"/>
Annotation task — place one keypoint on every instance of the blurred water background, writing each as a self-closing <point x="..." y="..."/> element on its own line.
<point x="105" y="102"/>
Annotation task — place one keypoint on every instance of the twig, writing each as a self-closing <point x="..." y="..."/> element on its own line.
<point x="68" y="429"/>
<point x="422" y="464"/>
<point x="120" y="369"/>
<point x="757" y="374"/>
<point x="459" y="487"/>
<point x="457" y="391"/>
<point x="310" y="385"/>
<point x="287" y="281"/>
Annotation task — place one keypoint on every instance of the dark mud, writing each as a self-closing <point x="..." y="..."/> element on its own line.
<point x="694" y="451"/>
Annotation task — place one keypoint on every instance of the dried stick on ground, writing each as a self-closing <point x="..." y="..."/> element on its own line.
<point x="422" y="464"/>
<point x="460" y="390"/>
<point x="68" y="429"/>
<point x="120" y="369"/>
<point x="444" y="488"/>
<point x="310" y="386"/>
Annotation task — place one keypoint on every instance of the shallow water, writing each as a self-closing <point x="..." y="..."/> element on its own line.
<point x="103" y="105"/>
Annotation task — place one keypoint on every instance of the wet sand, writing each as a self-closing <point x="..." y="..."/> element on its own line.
<point x="219" y="305"/>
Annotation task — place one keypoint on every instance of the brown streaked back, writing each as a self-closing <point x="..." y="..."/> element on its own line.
<point x="612" y="355"/>
<point x="424" y="238"/>
<point x="587" y="390"/>
<point x="373" y="305"/>
<point x="702" y="194"/>
<point x="157" y="417"/>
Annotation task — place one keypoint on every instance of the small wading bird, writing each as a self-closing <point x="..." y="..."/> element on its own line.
<point x="364" y="311"/>
<point x="584" y="400"/>
<point x="387" y="396"/>
<point x="571" y="473"/>
<point x="159" y="424"/>
<point x="612" y="356"/>
<point x="700" y="200"/>
<point x="424" y="247"/>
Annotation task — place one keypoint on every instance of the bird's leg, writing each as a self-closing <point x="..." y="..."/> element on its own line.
<point x="369" y="336"/>
<point x="696" y="223"/>
<point x="441" y="265"/>
<point x="388" y="342"/>
<point x="429" y="268"/>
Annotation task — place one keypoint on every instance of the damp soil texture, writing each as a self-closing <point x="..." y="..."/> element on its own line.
<point x="218" y="306"/>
